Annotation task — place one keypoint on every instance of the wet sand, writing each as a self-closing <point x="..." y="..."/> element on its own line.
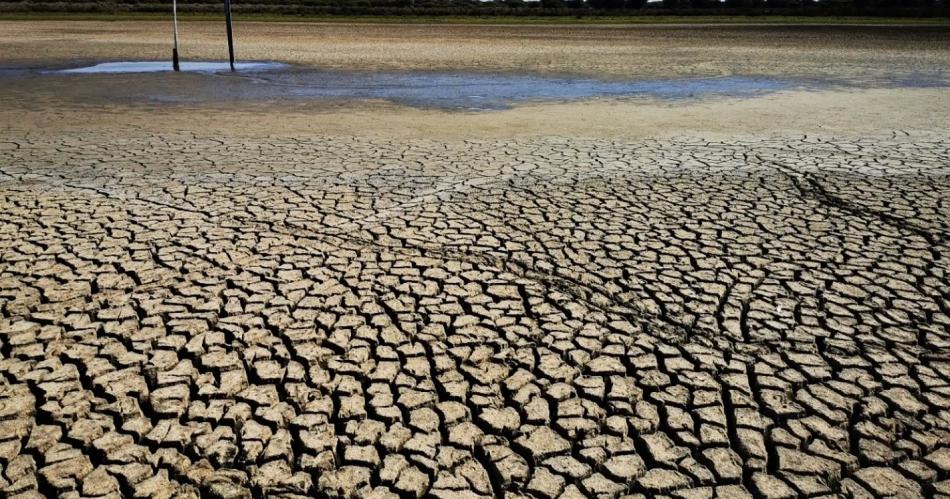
<point x="853" y="54"/>
<point x="637" y="51"/>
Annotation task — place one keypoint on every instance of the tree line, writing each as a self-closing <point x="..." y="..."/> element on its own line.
<point x="505" y="7"/>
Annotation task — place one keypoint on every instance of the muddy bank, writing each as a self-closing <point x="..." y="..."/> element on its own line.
<point x="858" y="55"/>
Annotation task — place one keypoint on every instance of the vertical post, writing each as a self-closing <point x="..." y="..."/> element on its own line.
<point x="227" y="18"/>
<point x="175" y="65"/>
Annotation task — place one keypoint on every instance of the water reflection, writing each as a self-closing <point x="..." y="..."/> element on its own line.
<point x="213" y="82"/>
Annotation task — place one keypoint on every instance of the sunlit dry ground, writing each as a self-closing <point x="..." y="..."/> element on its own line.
<point x="697" y="298"/>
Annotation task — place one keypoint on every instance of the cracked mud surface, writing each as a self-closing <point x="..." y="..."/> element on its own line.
<point x="188" y="316"/>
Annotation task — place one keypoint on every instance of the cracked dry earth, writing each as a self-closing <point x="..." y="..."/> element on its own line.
<point x="188" y="317"/>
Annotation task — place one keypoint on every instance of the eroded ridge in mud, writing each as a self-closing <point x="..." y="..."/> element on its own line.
<point x="187" y="317"/>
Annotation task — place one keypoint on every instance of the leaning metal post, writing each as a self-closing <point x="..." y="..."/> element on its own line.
<point x="227" y="18"/>
<point x="175" y="65"/>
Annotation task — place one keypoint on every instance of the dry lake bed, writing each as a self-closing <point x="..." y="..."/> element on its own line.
<point x="475" y="261"/>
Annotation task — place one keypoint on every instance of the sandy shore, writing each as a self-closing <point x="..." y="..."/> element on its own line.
<point x="636" y="51"/>
<point x="856" y="54"/>
<point x="845" y="113"/>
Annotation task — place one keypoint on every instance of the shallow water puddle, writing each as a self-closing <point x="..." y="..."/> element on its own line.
<point x="213" y="82"/>
<point x="165" y="66"/>
<point x="496" y="91"/>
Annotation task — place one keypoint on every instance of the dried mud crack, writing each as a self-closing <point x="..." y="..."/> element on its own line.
<point x="185" y="316"/>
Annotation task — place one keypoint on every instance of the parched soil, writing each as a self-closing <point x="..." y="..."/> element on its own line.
<point x="706" y="304"/>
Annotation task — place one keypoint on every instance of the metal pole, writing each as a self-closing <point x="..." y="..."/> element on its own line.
<point x="175" y="65"/>
<point x="227" y="18"/>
